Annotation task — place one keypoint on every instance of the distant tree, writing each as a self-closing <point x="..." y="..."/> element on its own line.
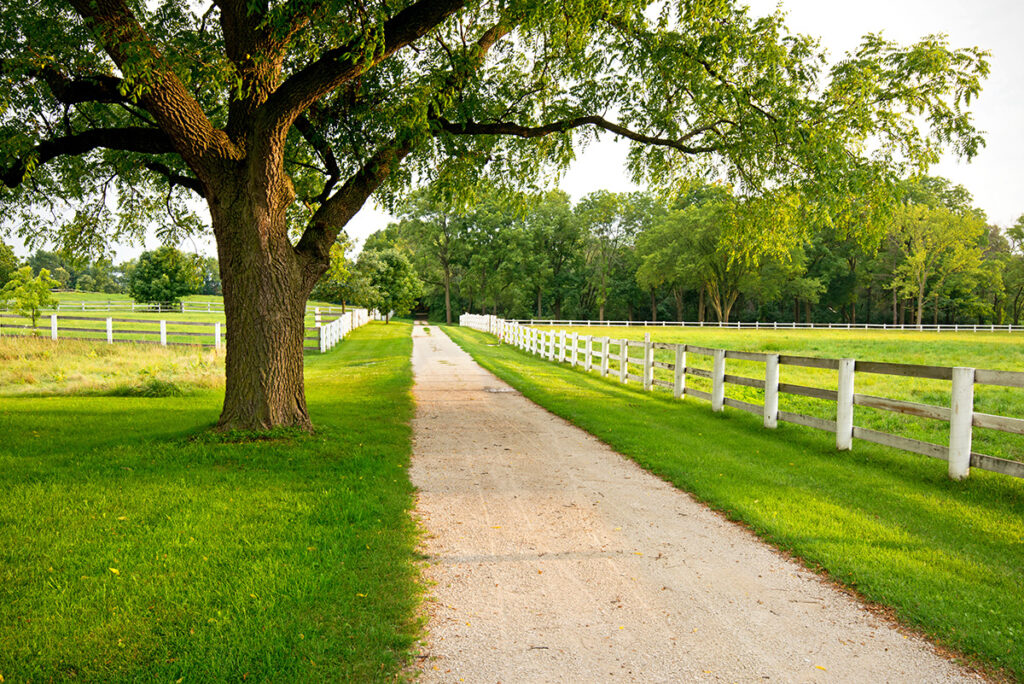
<point x="209" y="275"/>
<point x="28" y="295"/>
<point x="336" y="285"/>
<point x="163" y="276"/>
<point x="8" y="263"/>
<point x="392" y="279"/>
<point x="62" y="276"/>
<point x="86" y="283"/>
<point x="936" y="243"/>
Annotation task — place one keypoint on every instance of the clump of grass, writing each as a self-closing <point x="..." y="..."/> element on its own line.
<point x="152" y="388"/>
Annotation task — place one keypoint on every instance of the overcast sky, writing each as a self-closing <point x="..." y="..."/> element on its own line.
<point x="993" y="177"/>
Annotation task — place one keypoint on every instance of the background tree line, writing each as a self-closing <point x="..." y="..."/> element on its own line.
<point x="707" y="254"/>
<point x="161" y="275"/>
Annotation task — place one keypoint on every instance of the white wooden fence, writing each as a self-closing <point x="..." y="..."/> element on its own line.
<point x="181" y="307"/>
<point x="182" y="333"/>
<point x="597" y="354"/>
<point x="772" y="325"/>
<point x="330" y="334"/>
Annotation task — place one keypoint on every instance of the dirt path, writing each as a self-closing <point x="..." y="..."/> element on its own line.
<point x="558" y="560"/>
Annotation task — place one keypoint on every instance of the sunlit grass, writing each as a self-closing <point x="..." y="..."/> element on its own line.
<point x="997" y="351"/>
<point x="947" y="556"/>
<point x="135" y="548"/>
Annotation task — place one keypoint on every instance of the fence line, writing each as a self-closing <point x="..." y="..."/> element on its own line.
<point x="774" y="325"/>
<point x="140" y="307"/>
<point x="560" y="346"/>
<point x="327" y="335"/>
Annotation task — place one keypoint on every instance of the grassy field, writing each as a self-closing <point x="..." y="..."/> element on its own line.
<point x="135" y="546"/>
<point x="998" y="351"/>
<point x="948" y="557"/>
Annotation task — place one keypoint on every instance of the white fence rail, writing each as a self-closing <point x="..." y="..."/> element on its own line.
<point x="334" y="332"/>
<point x="772" y="325"/>
<point x="182" y="307"/>
<point x="597" y="354"/>
<point x="168" y="332"/>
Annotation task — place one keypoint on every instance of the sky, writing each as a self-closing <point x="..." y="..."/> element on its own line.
<point x="994" y="177"/>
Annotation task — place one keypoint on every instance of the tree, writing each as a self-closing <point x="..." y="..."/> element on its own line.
<point x="336" y="285"/>
<point x="8" y="263"/>
<point x="284" y="117"/>
<point x="935" y="243"/>
<point x="209" y="275"/>
<point x="163" y="276"/>
<point x="29" y="295"/>
<point x="393" y="280"/>
<point x="437" y="237"/>
<point x="62" y="277"/>
<point x="86" y="283"/>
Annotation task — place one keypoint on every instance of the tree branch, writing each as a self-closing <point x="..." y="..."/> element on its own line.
<point x="131" y="139"/>
<point x="337" y="211"/>
<point x="323" y="149"/>
<point x="342" y="64"/>
<point x="174" y="178"/>
<point x="504" y="128"/>
<point x="162" y="93"/>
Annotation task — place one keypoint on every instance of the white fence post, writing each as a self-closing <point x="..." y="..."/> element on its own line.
<point x="574" y="350"/>
<point x="110" y="330"/>
<point x="623" y="360"/>
<point x="589" y="351"/>
<point x="648" y="362"/>
<point x="679" y="386"/>
<point x="163" y="333"/>
<point x="771" y="391"/>
<point x="960" y="420"/>
<point x="718" y="381"/>
<point x="53" y="327"/>
<point x="216" y="335"/>
<point x="844" y="406"/>
<point x="605" y="353"/>
<point x="561" y="346"/>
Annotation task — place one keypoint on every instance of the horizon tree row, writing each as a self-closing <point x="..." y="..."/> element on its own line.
<point x="709" y="254"/>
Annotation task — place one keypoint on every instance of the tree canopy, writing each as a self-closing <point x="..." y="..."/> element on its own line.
<point x="285" y="116"/>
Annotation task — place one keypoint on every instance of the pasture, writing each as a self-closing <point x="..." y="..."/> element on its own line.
<point x="946" y="557"/>
<point x="137" y="546"/>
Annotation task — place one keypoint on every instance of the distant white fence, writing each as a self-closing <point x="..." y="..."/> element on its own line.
<point x="330" y="334"/>
<point x="181" y="307"/>
<point x="597" y="354"/>
<point x="169" y="332"/>
<point x="772" y="325"/>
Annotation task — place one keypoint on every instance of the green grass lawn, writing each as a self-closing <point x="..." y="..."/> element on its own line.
<point x="135" y="547"/>
<point x="948" y="557"/>
<point x="997" y="351"/>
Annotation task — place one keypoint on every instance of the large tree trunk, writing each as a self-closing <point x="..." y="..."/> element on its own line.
<point x="654" y="307"/>
<point x="265" y="287"/>
<point x="540" y="292"/>
<point x="701" y="305"/>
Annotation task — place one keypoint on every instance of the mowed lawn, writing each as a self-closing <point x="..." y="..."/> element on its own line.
<point x="134" y="546"/>
<point x="947" y="557"/>
<point x="996" y="351"/>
